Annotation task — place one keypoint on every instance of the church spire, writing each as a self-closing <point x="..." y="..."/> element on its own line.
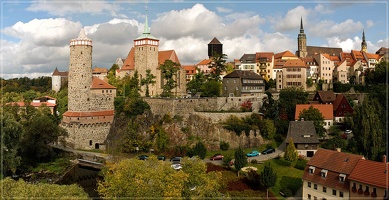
<point x="363" y="44"/>
<point x="301" y="25"/>
<point x="146" y="28"/>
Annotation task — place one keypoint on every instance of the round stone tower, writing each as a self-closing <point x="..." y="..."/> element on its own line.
<point x="80" y="73"/>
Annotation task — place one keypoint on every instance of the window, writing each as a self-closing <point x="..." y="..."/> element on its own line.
<point x="315" y="186"/>
<point x="340" y="194"/>
<point x="237" y="88"/>
<point x="309" y="184"/>
<point x="323" y="173"/>
<point x="309" y="196"/>
<point x="342" y="177"/>
<point x="315" y="198"/>
<point x="333" y="192"/>
<point x="311" y="169"/>
<point x="324" y="189"/>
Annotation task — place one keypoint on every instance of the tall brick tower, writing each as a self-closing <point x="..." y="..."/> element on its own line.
<point x="90" y="100"/>
<point x="302" y="42"/>
<point x="80" y="73"/>
<point x="146" y="57"/>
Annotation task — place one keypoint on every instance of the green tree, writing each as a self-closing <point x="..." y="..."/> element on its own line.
<point x="290" y="152"/>
<point x="11" y="134"/>
<point x="162" y="140"/>
<point x="309" y="82"/>
<point x="240" y="159"/>
<point x="236" y="124"/>
<point x="211" y="88"/>
<point x="194" y="86"/>
<point x="368" y="129"/>
<point x="149" y="79"/>
<point x="314" y="114"/>
<point x="12" y="189"/>
<point x="199" y="150"/>
<point x="218" y="66"/>
<point x="268" y="129"/>
<point x="169" y="71"/>
<point x="268" y="178"/>
<point x="288" y="99"/>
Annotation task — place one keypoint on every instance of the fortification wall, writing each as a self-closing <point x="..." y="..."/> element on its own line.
<point x="87" y="136"/>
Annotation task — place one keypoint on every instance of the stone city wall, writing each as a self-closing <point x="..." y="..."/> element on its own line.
<point x="87" y="136"/>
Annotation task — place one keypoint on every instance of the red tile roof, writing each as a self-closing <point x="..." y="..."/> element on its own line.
<point x="284" y="54"/>
<point x="35" y="104"/>
<point x="207" y="62"/>
<point x="190" y="69"/>
<point x="88" y="114"/>
<point x="325" y="109"/>
<point x="336" y="163"/>
<point x="372" y="173"/>
<point x="338" y="100"/>
<point x="58" y="73"/>
<point x="100" y="84"/>
<point x="294" y="63"/>
<point x="99" y="70"/>
<point x="267" y="55"/>
<point x="129" y="62"/>
<point x="167" y="55"/>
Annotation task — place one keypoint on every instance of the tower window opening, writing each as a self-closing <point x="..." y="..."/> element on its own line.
<point x="90" y="142"/>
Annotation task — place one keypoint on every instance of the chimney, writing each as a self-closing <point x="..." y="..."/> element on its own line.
<point x="338" y="149"/>
<point x="384" y="158"/>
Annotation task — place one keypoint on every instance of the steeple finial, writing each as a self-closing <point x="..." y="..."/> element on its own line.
<point x="301" y="25"/>
<point x="363" y="35"/>
<point x="146" y="28"/>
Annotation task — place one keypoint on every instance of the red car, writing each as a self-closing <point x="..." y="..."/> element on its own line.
<point x="217" y="157"/>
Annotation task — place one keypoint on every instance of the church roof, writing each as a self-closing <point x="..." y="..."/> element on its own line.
<point x="100" y="84"/>
<point x="167" y="55"/>
<point x="313" y="50"/>
<point x="146" y="32"/>
<point x="129" y="61"/>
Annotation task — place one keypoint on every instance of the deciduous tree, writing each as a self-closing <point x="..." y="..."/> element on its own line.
<point x="169" y="71"/>
<point x="314" y="114"/>
<point x="149" y="79"/>
<point x="218" y="66"/>
<point x="268" y="129"/>
<point x="289" y="97"/>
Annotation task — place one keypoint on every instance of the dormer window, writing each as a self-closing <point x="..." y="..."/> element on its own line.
<point x="342" y="177"/>
<point x="311" y="169"/>
<point x="323" y="173"/>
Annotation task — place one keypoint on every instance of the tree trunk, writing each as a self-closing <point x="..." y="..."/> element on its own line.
<point x="267" y="193"/>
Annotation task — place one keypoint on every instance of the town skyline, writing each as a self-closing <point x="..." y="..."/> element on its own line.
<point x="37" y="41"/>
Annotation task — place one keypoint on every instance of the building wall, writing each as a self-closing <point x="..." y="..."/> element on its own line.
<point x="231" y="86"/>
<point x="146" y="57"/>
<point x="326" y="68"/>
<point x="56" y="83"/>
<point x="355" y="195"/>
<point x="102" y="99"/>
<point x="319" y="192"/>
<point x="80" y="77"/>
<point x="294" y="77"/>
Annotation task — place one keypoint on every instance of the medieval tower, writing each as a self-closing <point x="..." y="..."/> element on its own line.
<point x="363" y="43"/>
<point x="302" y="42"/>
<point x="146" y="57"/>
<point x="90" y="99"/>
<point x="215" y="47"/>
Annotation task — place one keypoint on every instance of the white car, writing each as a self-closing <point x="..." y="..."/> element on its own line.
<point x="176" y="166"/>
<point x="348" y="132"/>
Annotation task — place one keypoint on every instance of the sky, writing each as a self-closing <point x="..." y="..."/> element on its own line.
<point x="35" y="35"/>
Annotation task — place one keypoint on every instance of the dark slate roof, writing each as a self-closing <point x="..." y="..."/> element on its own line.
<point x="298" y="129"/>
<point x="248" y="58"/>
<point x="214" y="41"/>
<point x="246" y="74"/>
<point x="312" y="50"/>
<point x="326" y="96"/>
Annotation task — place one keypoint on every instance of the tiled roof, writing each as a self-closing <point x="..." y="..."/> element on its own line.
<point x="34" y="104"/>
<point x="248" y="58"/>
<point x="129" y="62"/>
<point x="357" y="55"/>
<point x="338" y="100"/>
<point x="382" y="51"/>
<point x="205" y="62"/>
<point x="284" y="54"/>
<point x="313" y="50"/>
<point x="302" y="132"/>
<point x="190" y="69"/>
<point x="100" y="84"/>
<point x="372" y="173"/>
<point x="371" y="56"/>
<point x="325" y="109"/>
<point x="326" y="96"/>
<point x="88" y="114"/>
<point x="214" y="41"/>
<point x="167" y="55"/>
<point x="295" y="63"/>
<point x="98" y="70"/>
<point x="246" y="74"/>
<point x="58" y="73"/>
<point x="267" y="55"/>
<point x="336" y="163"/>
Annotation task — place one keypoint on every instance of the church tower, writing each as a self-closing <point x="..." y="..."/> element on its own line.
<point x="146" y="57"/>
<point x="302" y="42"/>
<point x="80" y="73"/>
<point x="363" y="43"/>
<point x="215" y="47"/>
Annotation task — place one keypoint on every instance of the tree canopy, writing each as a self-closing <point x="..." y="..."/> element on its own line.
<point x="169" y="71"/>
<point x="268" y="178"/>
<point x="290" y="152"/>
<point x="288" y="99"/>
<point x="314" y="114"/>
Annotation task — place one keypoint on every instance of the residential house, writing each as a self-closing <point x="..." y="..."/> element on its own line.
<point x="293" y="74"/>
<point x="265" y="63"/>
<point x="341" y="72"/>
<point x="342" y="108"/>
<point x="243" y="83"/>
<point x="369" y="180"/>
<point x="326" y="175"/>
<point x="304" y="137"/>
<point x="101" y="73"/>
<point x="312" y="68"/>
<point x="326" y="67"/>
<point x="39" y="103"/>
<point x="325" y="109"/>
<point x="248" y="62"/>
<point x="384" y="53"/>
<point x="324" y="97"/>
<point x="190" y="70"/>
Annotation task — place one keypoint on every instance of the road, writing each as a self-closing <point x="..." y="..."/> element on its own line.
<point x="259" y="158"/>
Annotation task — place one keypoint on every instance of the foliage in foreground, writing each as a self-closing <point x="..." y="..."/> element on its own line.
<point x="133" y="178"/>
<point x="12" y="189"/>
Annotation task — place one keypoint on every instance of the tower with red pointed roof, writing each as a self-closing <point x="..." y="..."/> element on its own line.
<point x="90" y="99"/>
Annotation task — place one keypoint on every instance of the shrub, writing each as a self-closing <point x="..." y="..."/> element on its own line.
<point x="300" y="164"/>
<point x="254" y="161"/>
<point x="224" y="145"/>
<point x="287" y="192"/>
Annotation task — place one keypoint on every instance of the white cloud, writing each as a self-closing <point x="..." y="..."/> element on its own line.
<point x="223" y="10"/>
<point x="349" y="44"/>
<point x="328" y="28"/>
<point x="323" y="9"/>
<point x="62" y="8"/>
<point x="369" y="23"/>
<point x="291" y="21"/>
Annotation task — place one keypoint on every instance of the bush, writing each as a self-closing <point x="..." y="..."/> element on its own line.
<point x="286" y="192"/>
<point x="282" y="162"/>
<point x="254" y="161"/>
<point x="300" y="164"/>
<point x="224" y="145"/>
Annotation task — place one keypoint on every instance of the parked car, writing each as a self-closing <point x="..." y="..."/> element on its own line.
<point x="143" y="157"/>
<point x="217" y="157"/>
<point x="232" y="162"/>
<point x="348" y="132"/>
<point x="268" y="150"/>
<point x="176" y="166"/>
<point x="161" y="158"/>
<point x="176" y="159"/>
<point x="253" y="153"/>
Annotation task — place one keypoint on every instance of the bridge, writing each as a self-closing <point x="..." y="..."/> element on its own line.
<point x="90" y="164"/>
